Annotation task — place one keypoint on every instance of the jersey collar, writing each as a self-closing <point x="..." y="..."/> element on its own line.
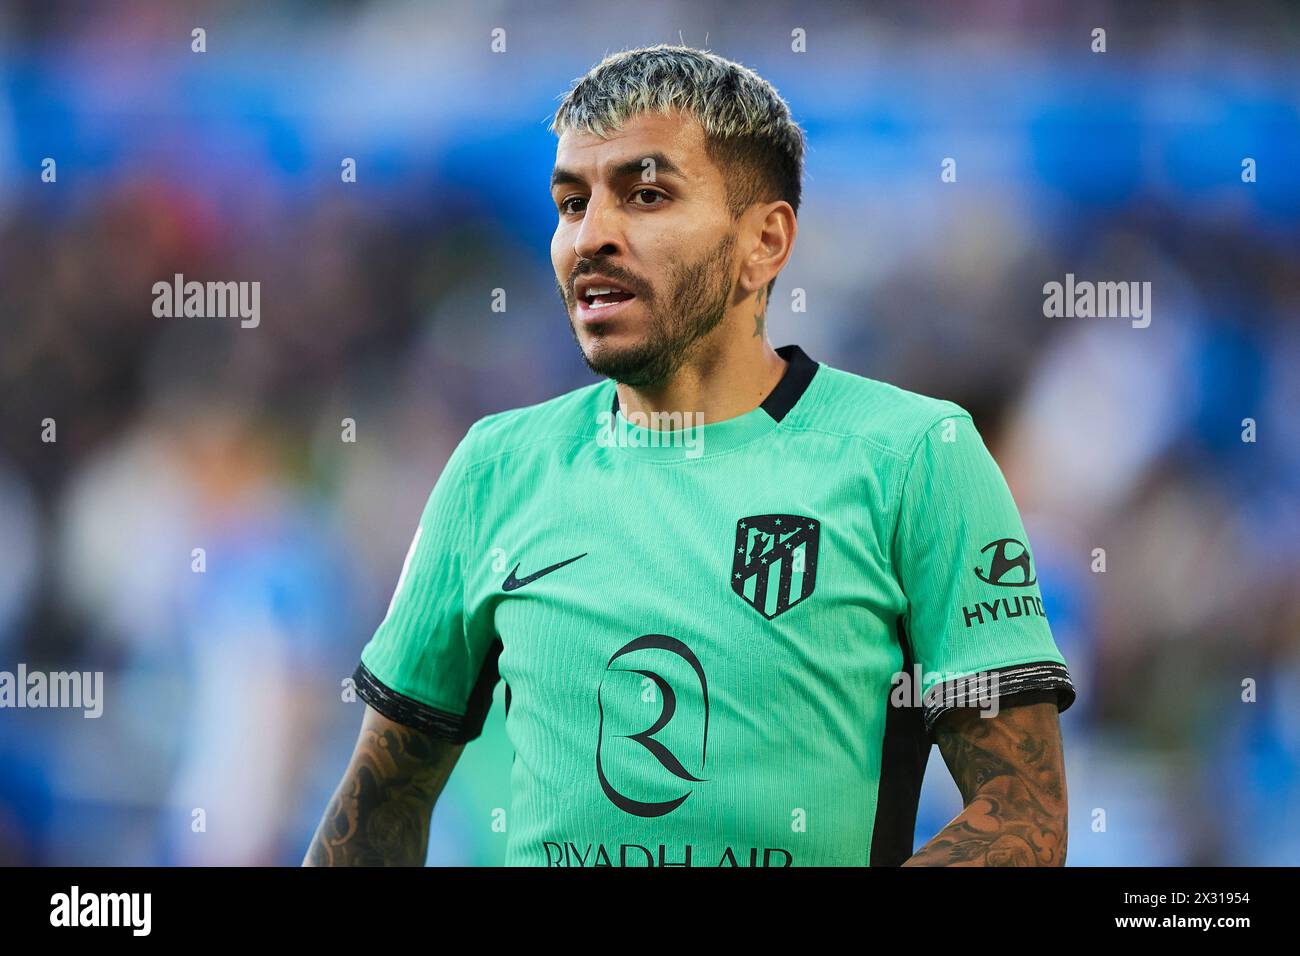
<point x="798" y="376"/>
<point x="716" y="437"/>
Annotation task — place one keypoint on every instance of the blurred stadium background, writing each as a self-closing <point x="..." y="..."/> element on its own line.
<point x="223" y="689"/>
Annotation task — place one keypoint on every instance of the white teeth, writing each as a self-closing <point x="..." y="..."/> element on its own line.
<point x="589" y="295"/>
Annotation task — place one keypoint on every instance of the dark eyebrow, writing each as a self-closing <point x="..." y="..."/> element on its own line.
<point x="632" y="167"/>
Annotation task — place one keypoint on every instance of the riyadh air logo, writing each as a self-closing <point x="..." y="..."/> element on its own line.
<point x="655" y="749"/>
<point x="1007" y="560"/>
<point x="774" y="564"/>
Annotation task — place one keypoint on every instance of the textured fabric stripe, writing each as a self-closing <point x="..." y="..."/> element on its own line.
<point x="403" y="710"/>
<point x="964" y="691"/>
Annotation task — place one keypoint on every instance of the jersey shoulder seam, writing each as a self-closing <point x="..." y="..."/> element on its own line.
<point x="580" y="397"/>
<point x="475" y="463"/>
<point x="817" y="430"/>
<point x="897" y="506"/>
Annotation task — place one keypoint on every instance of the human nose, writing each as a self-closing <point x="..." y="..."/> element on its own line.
<point x="600" y="233"/>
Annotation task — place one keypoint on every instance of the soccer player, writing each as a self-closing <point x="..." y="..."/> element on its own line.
<point x="734" y="594"/>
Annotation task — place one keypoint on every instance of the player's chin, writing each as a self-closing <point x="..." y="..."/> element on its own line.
<point x="610" y="336"/>
<point x="620" y="356"/>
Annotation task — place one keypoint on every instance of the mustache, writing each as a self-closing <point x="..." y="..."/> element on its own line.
<point x="626" y="279"/>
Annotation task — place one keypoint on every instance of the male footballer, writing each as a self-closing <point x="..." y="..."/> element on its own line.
<point x="733" y="593"/>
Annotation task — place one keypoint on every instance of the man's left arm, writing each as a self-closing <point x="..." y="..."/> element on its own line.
<point x="1010" y="771"/>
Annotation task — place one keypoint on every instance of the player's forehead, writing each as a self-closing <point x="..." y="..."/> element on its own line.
<point x="674" y="136"/>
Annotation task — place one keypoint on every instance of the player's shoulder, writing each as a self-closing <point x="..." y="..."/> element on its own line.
<point x="572" y="415"/>
<point x="887" y="415"/>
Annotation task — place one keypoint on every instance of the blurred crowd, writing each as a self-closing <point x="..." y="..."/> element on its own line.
<point x="227" y="723"/>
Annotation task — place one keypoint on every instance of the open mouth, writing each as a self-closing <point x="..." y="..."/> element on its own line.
<point x="602" y="297"/>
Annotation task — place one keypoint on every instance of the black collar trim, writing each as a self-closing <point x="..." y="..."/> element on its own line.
<point x="798" y="376"/>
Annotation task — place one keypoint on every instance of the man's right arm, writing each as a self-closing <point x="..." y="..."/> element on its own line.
<point x="379" y="815"/>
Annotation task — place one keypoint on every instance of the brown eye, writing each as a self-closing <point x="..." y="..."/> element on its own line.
<point x="566" y="207"/>
<point x="649" y="192"/>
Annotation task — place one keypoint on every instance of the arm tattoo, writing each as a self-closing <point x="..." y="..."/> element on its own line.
<point x="1011" y="775"/>
<point x="379" y="815"/>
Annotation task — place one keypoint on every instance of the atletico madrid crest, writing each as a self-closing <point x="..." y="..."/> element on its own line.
<point x="774" y="565"/>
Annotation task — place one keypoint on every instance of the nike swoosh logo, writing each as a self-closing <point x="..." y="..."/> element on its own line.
<point x="513" y="583"/>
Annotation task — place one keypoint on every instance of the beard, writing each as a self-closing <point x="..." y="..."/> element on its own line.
<point x="696" y="304"/>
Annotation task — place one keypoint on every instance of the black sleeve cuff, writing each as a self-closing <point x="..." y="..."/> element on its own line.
<point x="411" y="713"/>
<point x="1027" y="681"/>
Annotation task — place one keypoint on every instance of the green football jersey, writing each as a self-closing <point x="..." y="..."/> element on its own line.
<point x="722" y="644"/>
